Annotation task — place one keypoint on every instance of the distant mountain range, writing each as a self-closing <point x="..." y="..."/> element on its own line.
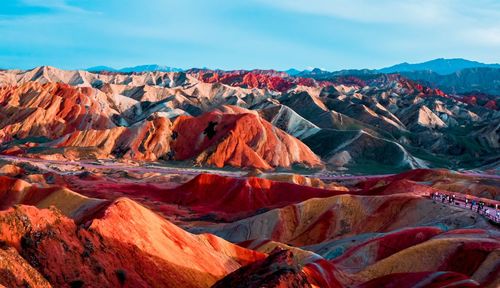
<point x="440" y="66"/>
<point x="450" y="75"/>
<point x="482" y="80"/>
<point x="138" y="69"/>
<point x="456" y="76"/>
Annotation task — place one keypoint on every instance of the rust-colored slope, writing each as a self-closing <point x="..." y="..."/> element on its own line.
<point x="16" y="272"/>
<point x="128" y="245"/>
<point x="209" y="193"/>
<point x="147" y="141"/>
<point x="50" y="110"/>
<point x="208" y="196"/>
<point x="15" y="191"/>
<point x="240" y="140"/>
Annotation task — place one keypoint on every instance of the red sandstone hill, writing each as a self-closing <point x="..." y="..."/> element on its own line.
<point x="277" y="270"/>
<point x="227" y="197"/>
<point x="148" y="141"/>
<point x="16" y="191"/>
<point x="109" y="252"/>
<point x="367" y="241"/>
<point x="49" y="110"/>
<point x="272" y="80"/>
<point x="240" y="140"/>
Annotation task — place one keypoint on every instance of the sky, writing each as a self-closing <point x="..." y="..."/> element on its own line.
<point x="246" y="34"/>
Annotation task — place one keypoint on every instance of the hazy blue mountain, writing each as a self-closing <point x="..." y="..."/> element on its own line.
<point x="440" y="66"/>
<point x="485" y="80"/>
<point x="150" y="68"/>
<point x="293" y="72"/>
<point x="101" y="68"/>
<point x="140" y="68"/>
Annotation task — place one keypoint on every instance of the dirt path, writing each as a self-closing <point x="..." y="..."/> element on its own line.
<point x="487" y="212"/>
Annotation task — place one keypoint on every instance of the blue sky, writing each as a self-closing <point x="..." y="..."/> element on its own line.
<point x="246" y="34"/>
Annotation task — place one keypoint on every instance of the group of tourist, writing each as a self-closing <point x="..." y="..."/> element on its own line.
<point x="478" y="204"/>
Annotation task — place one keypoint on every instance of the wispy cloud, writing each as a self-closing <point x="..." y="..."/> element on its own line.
<point x="381" y="11"/>
<point x="469" y="21"/>
<point x="486" y="36"/>
<point x="55" y="5"/>
<point x="408" y="12"/>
